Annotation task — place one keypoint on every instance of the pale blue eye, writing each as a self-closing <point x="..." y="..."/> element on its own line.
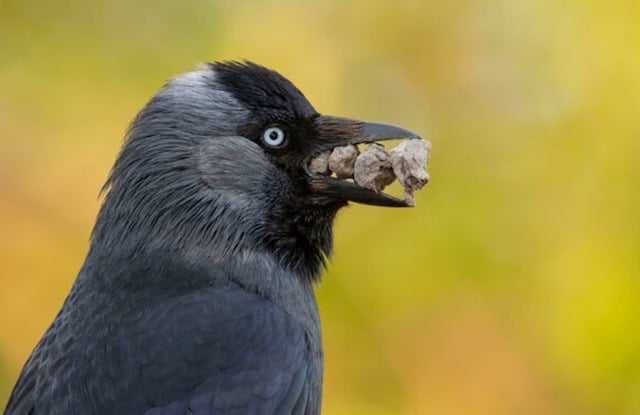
<point x="273" y="137"/>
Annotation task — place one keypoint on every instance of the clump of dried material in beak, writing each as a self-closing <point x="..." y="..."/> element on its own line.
<point x="409" y="160"/>
<point x="342" y="161"/>
<point x="375" y="168"/>
<point x="320" y="164"/>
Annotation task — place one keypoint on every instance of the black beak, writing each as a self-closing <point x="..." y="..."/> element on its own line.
<point x="338" y="131"/>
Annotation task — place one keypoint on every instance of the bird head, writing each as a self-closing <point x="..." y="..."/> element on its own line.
<point x="216" y="163"/>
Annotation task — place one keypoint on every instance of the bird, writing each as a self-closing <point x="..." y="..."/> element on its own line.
<point x="197" y="292"/>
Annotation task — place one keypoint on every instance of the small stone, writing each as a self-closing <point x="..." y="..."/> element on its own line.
<point x="342" y="161"/>
<point x="375" y="168"/>
<point x="409" y="160"/>
<point x="320" y="164"/>
<point x="372" y="169"/>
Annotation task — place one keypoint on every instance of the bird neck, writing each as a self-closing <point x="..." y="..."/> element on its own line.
<point x="301" y="238"/>
<point x="215" y="228"/>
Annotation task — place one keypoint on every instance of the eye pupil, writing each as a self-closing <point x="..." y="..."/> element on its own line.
<point x="273" y="137"/>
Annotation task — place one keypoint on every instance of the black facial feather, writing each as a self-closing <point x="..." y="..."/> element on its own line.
<point x="273" y="101"/>
<point x="263" y="90"/>
<point x="193" y="176"/>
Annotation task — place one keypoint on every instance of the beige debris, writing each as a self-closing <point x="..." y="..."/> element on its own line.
<point x="376" y="168"/>
<point x="320" y="164"/>
<point x="342" y="160"/>
<point x="372" y="169"/>
<point x="409" y="160"/>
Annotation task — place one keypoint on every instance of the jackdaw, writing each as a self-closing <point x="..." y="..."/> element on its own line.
<point x="196" y="295"/>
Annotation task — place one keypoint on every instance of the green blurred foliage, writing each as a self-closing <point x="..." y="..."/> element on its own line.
<point x="512" y="287"/>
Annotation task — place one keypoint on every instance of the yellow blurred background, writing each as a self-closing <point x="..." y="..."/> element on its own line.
<point x="512" y="288"/>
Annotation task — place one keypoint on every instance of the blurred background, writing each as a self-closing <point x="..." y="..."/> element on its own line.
<point x="514" y="285"/>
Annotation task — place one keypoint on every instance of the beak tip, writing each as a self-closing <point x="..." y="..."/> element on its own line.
<point x="374" y="131"/>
